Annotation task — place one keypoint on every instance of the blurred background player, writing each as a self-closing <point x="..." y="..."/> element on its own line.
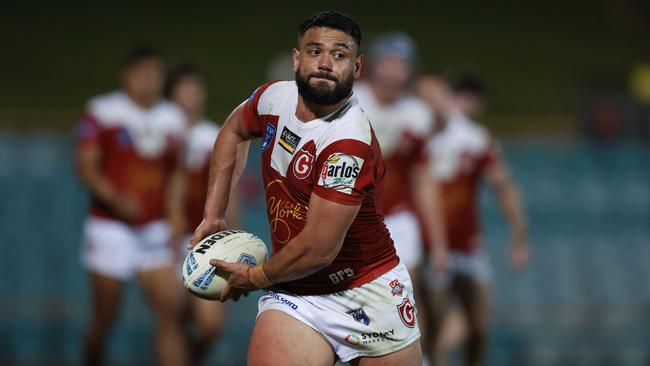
<point x="126" y="157"/>
<point x="185" y="86"/>
<point x="463" y="153"/>
<point x="402" y="124"/>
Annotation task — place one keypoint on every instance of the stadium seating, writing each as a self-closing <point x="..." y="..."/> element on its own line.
<point x="584" y="301"/>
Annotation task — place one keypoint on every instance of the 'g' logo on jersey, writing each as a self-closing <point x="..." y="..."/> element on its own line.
<point x="302" y="164"/>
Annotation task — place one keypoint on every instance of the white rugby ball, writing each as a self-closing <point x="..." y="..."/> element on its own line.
<point x="238" y="246"/>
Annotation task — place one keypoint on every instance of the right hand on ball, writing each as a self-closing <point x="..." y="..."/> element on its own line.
<point x="205" y="228"/>
<point x="238" y="280"/>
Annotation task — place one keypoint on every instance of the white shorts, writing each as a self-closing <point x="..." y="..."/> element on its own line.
<point x="117" y="250"/>
<point x="476" y="266"/>
<point x="372" y="320"/>
<point x="405" y="232"/>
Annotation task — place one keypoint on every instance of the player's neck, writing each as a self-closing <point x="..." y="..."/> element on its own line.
<point x="142" y="102"/>
<point x="193" y="117"/>
<point x="306" y="112"/>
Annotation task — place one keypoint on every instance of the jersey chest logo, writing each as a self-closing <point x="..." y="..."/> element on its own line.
<point x="289" y="140"/>
<point x="302" y="164"/>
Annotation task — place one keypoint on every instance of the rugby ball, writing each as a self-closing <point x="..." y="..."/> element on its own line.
<point x="238" y="246"/>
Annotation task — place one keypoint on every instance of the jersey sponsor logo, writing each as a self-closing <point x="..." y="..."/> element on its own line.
<point x="303" y="164"/>
<point x="396" y="288"/>
<point x="289" y="140"/>
<point x="359" y="315"/>
<point x="370" y="337"/>
<point x="352" y="339"/>
<point x="268" y="136"/>
<point x="340" y="172"/>
<point x="247" y="259"/>
<point x="406" y="312"/>
<point x="341" y="275"/>
<point x="283" y="300"/>
<point x="281" y="212"/>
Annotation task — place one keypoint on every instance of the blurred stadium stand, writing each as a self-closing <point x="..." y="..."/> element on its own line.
<point x="584" y="301"/>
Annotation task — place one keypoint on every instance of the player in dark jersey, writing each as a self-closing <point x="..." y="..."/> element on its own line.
<point x="337" y="290"/>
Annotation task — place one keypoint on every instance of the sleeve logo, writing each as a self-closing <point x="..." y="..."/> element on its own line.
<point x="268" y="136"/>
<point x="340" y="172"/>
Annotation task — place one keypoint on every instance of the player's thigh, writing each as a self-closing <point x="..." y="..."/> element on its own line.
<point x="162" y="289"/>
<point x="106" y="294"/>
<point x="475" y="300"/>
<point x="209" y="316"/>
<point x="279" y="339"/>
<point x="409" y="356"/>
<point x="437" y="299"/>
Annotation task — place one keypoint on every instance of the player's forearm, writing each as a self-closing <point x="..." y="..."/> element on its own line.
<point x="98" y="186"/>
<point x="298" y="259"/>
<point x="222" y="171"/>
<point x="175" y="198"/>
<point x="511" y="206"/>
<point x="240" y="165"/>
<point x="427" y="202"/>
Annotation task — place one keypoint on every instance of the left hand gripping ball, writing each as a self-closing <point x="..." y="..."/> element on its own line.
<point x="238" y="246"/>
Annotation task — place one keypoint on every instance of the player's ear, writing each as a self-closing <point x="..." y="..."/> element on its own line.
<point x="295" y="56"/>
<point x="358" y="64"/>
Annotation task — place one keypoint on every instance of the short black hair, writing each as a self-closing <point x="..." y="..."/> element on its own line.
<point x="139" y="53"/>
<point x="470" y="83"/>
<point x="177" y="73"/>
<point x="334" y="20"/>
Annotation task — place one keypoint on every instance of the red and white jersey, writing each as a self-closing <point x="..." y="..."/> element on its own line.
<point x="196" y="163"/>
<point x="336" y="157"/>
<point x="138" y="149"/>
<point x="460" y="155"/>
<point x="401" y="128"/>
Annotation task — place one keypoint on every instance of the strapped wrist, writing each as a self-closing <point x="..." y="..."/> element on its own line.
<point x="258" y="278"/>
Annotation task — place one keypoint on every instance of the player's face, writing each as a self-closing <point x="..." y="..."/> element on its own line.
<point x="326" y="64"/>
<point x="144" y="79"/>
<point x="391" y="72"/>
<point x="435" y="92"/>
<point x="470" y="104"/>
<point x="189" y="94"/>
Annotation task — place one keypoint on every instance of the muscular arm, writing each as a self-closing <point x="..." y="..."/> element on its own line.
<point x="498" y="177"/>
<point x="312" y="250"/>
<point x="227" y="164"/>
<point x="427" y="201"/>
<point x="175" y="202"/>
<point x="317" y="244"/>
